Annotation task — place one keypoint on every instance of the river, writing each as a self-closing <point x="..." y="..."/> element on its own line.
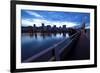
<point x="33" y="43"/>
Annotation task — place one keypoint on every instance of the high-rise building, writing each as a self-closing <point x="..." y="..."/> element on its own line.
<point x="64" y="28"/>
<point x="34" y="28"/>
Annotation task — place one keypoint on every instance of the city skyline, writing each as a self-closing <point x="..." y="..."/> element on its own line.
<point x="70" y="19"/>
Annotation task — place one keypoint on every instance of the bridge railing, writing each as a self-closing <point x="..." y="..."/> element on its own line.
<point x="64" y="47"/>
<point x="54" y="52"/>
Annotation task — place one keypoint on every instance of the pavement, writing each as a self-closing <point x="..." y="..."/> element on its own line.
<point x="81" y="51"/>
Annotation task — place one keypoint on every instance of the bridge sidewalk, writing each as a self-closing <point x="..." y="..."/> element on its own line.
<point x="81" y="50"/>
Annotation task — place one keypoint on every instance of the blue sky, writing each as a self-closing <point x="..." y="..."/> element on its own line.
<point x="70" y="19"/>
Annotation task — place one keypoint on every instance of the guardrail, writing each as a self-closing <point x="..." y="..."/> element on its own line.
<point x="59" y="51"/>
<point x="54" y="52"/>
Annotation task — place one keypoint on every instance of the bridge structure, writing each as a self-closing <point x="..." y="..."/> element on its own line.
<point x="76" y="47"/>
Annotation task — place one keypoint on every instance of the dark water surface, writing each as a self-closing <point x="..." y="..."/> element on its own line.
<point x="33" y="43"/>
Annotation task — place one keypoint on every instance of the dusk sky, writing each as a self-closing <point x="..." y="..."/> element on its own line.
<point x="70" y="19"/>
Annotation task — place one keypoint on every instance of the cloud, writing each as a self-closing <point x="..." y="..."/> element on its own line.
<point x="34" y="14"/>
<point x="87" y="27"/>
<point x="28" y="22"/>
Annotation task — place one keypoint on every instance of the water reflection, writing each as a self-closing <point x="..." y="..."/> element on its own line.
<point x="33" y="43"/>
<point x="45" y="35"/>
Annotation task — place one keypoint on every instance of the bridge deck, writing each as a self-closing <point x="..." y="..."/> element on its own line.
<point x="81" y="50"/>
<point x="77" y="49"/>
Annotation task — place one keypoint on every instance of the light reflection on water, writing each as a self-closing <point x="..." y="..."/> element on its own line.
<point x="32" y="43"/>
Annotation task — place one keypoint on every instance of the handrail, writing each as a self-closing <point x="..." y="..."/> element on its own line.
<point x="50" y="48"/>
<point x="59" y="51"/>
<point x="69" y="41"/>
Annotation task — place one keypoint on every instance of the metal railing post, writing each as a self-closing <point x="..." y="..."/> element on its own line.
<point x="57" y="56"/>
